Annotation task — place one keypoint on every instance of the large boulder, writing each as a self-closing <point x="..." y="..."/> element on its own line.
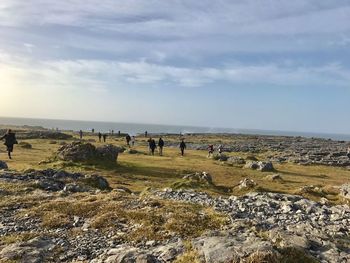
<point x="108" y="152"/>
<point x="83" y="152"/>
<point x="77" y="152"/>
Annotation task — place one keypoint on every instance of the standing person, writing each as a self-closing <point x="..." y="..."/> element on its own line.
<point x="182" y="146"/>
<point x="81" y="134"/>
<point x="10" y="140"/>
<point x="220" y="149"/>
<point x="152" y="145"/>
<point x="128" y="139"/>
<point x="160" y="145"/>
<point x="99" y="137"/>
<point x="210" y="150"/>
<point x="146" y="134"/>
<point x="93" y="130"/>
<point x="119" y="133"/>
<point x="104" y="137"/>
<point x="133" y="141"/>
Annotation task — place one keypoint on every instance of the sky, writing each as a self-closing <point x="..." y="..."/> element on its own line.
<point x="258" y="64"/>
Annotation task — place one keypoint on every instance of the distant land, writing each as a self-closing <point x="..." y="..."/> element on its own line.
<point x="136" y="128"/>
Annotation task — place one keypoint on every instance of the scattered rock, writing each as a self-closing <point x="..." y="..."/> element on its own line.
<point x="246" y="183"/>
<point x="235" y="160"/>
<point x="96" y="181"/>
<point x="345" y="190"/>
<point x="32" y="251"/>
<point x="219" y="157"/>
<point x="25" y="145"/>
<point x="3" y="165"/>
<point x="261" y="166"/>
<point x="200" y="177"/>
<point x="274" y="177"/>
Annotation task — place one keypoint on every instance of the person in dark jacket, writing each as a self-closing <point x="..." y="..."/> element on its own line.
<point x="10" y="140"/>
<point x="99" y="136"/>
<point x="128" y="139"/>
<point x="182" y="147"/>
<point x="81" y="134"/>
<point x="104" y="136"/>
<point x="152" y="145"/>
<point x="160" y="145"/>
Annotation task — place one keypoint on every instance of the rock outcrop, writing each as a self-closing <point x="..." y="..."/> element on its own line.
<point x="85" y="152"/>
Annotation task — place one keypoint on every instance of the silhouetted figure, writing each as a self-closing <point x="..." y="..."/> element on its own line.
<point x="160" y="145"/>
<point x="182" y="147"/>
<point x="93" y="130"/>
<point x="119" y="133"/>
<point x="146" y="134"/>
<point x="104" y="137"/>
<point x="128" y="139"/>
<point x="112" y="132"/>
<point x="210" y="150"/>
<point x="10" y="140"/>
<point x="133" y="141"/>
<point x="152" y="145"/>
<point x="81" y="134"/>
<point x="99" y="136"/>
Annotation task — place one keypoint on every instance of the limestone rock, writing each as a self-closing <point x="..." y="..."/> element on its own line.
<point x="3" y="165"/>
<point x="236" y="160"/>
<point x="246" y="184"/>
<point x="32" y="251"/>
<point x="201" y="177"/>
<point x="274" y="177"/>
<point x="96" y="181"/>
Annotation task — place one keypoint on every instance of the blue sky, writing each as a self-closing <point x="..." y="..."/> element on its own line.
<point x="261" y="64"/>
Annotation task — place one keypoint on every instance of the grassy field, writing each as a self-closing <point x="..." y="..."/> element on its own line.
<point x="140" y="171"/>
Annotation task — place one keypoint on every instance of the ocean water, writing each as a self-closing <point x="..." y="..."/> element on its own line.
<point x="135" y="128"/>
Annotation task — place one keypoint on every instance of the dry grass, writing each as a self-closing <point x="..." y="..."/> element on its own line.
<point x="139" y="171"/>
<point x="151" y="219"/>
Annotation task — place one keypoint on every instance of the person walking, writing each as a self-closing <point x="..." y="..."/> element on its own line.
<point x="81" y="134"/>
<point x="152" y="145"/>
<point x="220" y="149"/>
<point x="128" y="139"/>
<point x="99" y="136"/>
<point x="182" y="147"/>
<point x="10" y="141"/>
<point x="160" y="145"/>
<point x="133" y="141"/>
<point x="210" y="150"/>
<point x="104" y="137"/>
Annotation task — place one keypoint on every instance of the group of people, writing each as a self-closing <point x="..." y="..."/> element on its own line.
<point x="152" y="146"/>
<point x="10" y="141"/>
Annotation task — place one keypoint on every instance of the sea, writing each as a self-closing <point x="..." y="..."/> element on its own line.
<point x="139" y="128"/>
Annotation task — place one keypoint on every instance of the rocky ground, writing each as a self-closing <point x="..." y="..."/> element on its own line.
<point x="298" y="150"/>
<point x="261" y="225"/>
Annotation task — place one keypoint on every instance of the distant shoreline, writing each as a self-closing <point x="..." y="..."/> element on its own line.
<point x="135" y="128"/>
